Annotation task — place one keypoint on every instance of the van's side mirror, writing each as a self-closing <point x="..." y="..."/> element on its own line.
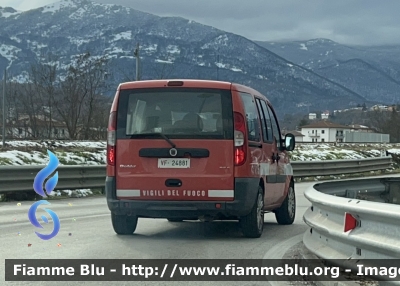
<point x="289" y="142"/>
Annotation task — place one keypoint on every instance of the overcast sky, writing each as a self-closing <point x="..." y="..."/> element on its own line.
<point x="359" y="22"/>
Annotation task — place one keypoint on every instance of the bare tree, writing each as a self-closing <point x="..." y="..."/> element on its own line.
<point x="98" y="130"/>
<point x="303" y="122"/>
<point x="386" y="122"/>
<point x="126" y="75"/>
<point x="393" y="125"/>
<point x="29" y="101"/>
<point x="96" y="73"/>
<point x="44" y="79"/>
<point x="12" y="103"/>
<point x="378" y="120"/>
<point x="164" y="70"/>
<point x="79" y="93"/>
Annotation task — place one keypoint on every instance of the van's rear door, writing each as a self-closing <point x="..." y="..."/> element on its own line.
<point x="175" y="143"/>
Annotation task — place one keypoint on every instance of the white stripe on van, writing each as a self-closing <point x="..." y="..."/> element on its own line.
<point x="265" y="169"/>
<point x="128" y="193"/>
<point x="221" y="193"/>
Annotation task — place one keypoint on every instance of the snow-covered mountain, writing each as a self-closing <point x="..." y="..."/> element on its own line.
<point x="170" y="47"/>
<point x="373" y="72"/>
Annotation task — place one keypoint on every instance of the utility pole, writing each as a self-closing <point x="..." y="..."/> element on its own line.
<point x="4" y="108"/>
<point x="217" y="66"/>
<point x="136" y="54"/>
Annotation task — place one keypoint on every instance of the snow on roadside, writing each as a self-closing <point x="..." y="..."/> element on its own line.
<point x="14" y="157"/>
<point x="316" y="152"/>
<point x="55" y="143"/>
<point x="94" y="153"/>
<point x="25" y="152"/>
<point x="72" y="193"/>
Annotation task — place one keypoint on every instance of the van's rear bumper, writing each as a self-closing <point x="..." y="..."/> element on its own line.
<point x="245" y="197"/>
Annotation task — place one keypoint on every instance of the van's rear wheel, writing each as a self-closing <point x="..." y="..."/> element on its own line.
<point x="286" y="213"/>
<point x="124" y="224"/>
<point x="252" y="225"/>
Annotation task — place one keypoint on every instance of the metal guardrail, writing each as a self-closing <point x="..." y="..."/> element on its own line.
<point x="347" y="143"/>
<point x="375" y="203"/>
<point x="337" y="167"/>
<point x="20" y="178"/>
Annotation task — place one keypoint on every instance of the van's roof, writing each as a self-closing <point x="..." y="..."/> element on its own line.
<point x="194" y="83"/>
<point x="187" y="83"/>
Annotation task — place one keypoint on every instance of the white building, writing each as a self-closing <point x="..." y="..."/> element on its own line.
<point x="312" y="116"/>
<point x="324" y="131"/>
<point x="325" y="115"/>
<point x="379" y="107"/>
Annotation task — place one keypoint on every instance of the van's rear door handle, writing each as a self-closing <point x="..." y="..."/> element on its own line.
<point x="173" y="183"/>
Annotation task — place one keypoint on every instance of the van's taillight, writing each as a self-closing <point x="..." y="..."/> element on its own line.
<point x="112" y="124"/>
<point x="240" y="139"/>
<point x="111" y="155"/>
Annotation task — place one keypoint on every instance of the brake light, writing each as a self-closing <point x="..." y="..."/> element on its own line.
<point x="111" y="138"/>
<point x="175" y="83"/>
<point x="240" y="139"/>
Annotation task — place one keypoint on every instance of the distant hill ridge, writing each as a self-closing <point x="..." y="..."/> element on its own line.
<point x="173" y="47"/>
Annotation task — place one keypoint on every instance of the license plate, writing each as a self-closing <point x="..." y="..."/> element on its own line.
<point x="174" y="163"/>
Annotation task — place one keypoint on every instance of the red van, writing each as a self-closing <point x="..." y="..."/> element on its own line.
<point x="197" y="149"/>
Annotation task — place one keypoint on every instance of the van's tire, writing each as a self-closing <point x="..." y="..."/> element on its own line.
<point x="252" y="225"/>
<point x="286" y="213"/>
<point x="124" y="224"/>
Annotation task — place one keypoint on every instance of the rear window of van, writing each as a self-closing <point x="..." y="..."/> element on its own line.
<point x="180" y="113"/>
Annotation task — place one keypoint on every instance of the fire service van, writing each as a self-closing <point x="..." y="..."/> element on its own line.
<point x="197" y="150"/>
